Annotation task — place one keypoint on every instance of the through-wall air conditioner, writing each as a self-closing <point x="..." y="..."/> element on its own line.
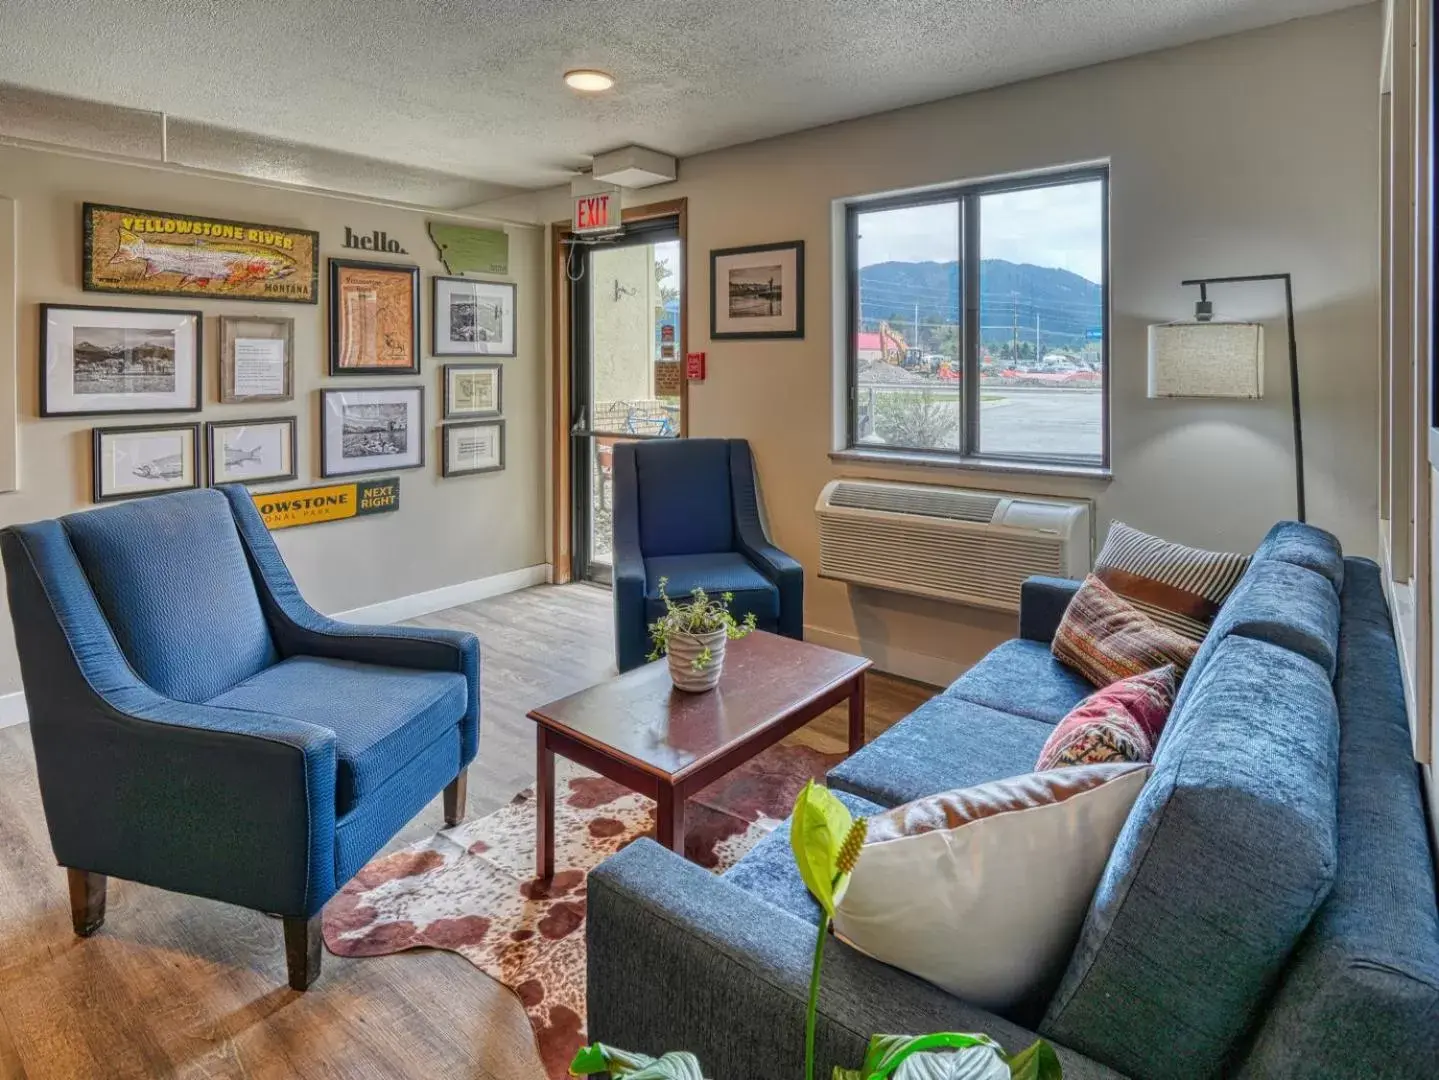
<point x="967" y="547"/>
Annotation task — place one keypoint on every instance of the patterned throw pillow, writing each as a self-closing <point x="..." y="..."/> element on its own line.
<point x="1106" y="639"/>
<point x="1119" y="723"/>
<point x="1176" y="586"/>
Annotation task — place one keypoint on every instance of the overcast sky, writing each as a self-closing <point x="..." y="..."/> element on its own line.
<point x="1055" y="226"/>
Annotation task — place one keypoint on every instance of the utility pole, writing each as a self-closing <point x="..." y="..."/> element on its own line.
<point x="1038" y="352"/>
<point x="915" y="342"/>
<point x="1014" y="340"/>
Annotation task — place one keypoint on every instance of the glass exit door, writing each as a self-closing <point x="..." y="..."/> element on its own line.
<point x="626" y="377"/>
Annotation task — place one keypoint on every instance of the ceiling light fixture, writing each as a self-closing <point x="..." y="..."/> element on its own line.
<point x="589" y="80"/>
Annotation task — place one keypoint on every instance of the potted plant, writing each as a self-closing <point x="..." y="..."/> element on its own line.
<point x="693" y="636"/>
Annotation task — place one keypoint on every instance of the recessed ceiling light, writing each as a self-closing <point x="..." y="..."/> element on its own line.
<point x="589" y="80"/>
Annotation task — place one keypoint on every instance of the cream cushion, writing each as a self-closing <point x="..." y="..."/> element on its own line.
<point x="982" y="891"/>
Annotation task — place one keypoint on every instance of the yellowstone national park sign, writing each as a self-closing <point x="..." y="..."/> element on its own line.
<point x="332" y="502"/>
<point x="153" y="253"/>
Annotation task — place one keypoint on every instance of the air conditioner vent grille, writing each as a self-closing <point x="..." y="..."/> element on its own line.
<point x="945" y="503"/>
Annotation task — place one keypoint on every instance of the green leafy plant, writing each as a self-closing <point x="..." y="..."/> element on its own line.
<point x="699" y="616"/>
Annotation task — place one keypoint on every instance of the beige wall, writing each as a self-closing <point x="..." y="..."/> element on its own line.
<point x="1249" y="154"/>
<point x="446" y="531"/>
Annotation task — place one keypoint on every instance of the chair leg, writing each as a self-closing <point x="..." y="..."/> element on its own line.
<point x="455" y="798"/>
<point x="302" y="951"/>
<point x="87" y="901"/>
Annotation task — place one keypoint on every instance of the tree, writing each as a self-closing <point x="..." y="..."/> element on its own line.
<point x="662" y="274"/>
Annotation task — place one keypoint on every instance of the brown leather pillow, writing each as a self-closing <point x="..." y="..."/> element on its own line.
<point x="1105" y="638"/>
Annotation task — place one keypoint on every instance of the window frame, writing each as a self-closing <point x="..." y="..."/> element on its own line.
<point x="967" y="197"/>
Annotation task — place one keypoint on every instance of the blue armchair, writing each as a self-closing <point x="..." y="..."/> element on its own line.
<point x="200" y="728"/>
<point x="686" y="510"/>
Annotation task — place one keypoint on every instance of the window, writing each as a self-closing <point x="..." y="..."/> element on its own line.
<point x="980" y="322"/>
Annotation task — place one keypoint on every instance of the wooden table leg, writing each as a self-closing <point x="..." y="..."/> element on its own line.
<point x="856" y="713"/>
<point x="544" y="806"/>
<point x="670" y="819"/>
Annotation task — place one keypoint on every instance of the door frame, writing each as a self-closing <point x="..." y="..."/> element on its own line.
<point x="561" y="288"/>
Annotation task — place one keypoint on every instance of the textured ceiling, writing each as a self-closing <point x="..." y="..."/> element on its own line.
<point x="472" y="87"/>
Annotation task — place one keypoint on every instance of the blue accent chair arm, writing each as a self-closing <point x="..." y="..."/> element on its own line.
<point x="632" y="643"/>
<point x="710" y="949"/>
<point x="1042" y="601"/>
<point x="755" y="544"/>
<point x="149" y="783"/>
<point x="300" y="630"/>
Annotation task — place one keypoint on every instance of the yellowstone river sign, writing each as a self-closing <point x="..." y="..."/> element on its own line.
<point x="154" y="253"/>
<point x="332" y="502"/>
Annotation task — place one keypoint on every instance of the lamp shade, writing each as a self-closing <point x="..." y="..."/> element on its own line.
<point x="1206" y="359"/>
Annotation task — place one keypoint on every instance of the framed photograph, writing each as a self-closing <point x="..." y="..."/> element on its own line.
<point x="100" y="361"/>
<point x="473" y="318"/>
<point x="473" y="390"/>
<point x="157" y="253"/>
<point x="251" y="451"/>
<point x="374" y="318"/>
<point x="256" y="359"/>
<point x="369" y="430"/>
<point x="757" y="292"/>
<point x="473" y="448"/>
<point x="132" y="461"/>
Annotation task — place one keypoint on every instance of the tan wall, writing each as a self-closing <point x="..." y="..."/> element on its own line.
<point x="446" y="531"/>
<point x="1250" y="154"/>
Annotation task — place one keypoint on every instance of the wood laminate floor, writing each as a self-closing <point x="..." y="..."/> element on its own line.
<point x="178" y="986"/>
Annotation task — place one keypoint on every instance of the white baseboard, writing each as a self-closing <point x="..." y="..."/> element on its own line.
<point x="466" y="592"/>
<point x="12" y="706"/>
<point x="931" y="670"/>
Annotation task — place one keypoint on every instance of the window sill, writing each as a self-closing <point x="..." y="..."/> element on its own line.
<point x="916" y="458"/>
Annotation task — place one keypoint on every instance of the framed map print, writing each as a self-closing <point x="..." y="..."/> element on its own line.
<point x="158" y="253"/>
<point x="473" y="318"/>
<point x="374" y="318"/>
<point x="473" y="390"/>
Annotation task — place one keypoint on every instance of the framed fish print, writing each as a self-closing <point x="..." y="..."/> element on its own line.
<point x="374" y="318"/>
<point x="257" y="359"/>
<point x="371" y="430"/>
<point x="103" y="361"/>
<point x="757" y="292"/>
<point x="132" y="461"/>
<point x="251" y="451"/>
<point x="156" y="253"/>
<point x="473" y="318"/>
<point x="473" y="390"/>
<point x="472" y="448"/>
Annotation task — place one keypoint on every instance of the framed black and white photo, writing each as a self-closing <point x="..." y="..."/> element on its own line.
<point x="102" y="361"/>
<point x="757" y="292"/>
<point x="256" y="359"/>
<point x="473" y="318"/>
<point x="251" y="451"/>
<point x="473" y="448"/>
<point x="132" y="461"/>
<point x="473" y="391"/>
<point x="371" y="430"/>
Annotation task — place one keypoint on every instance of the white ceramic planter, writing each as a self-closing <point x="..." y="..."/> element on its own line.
<point x="684" y="648"/>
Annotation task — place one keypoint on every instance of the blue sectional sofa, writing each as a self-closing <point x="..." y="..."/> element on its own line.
<point x="1268" y="911"/>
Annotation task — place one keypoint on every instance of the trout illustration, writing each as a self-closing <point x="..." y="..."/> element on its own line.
<point x="162" y="468"/>
<point x="235" y="455"/>
<point x="202" y="262"/>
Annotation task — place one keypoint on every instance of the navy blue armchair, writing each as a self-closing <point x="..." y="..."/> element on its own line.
<point x="686" y="510"/>
<point x="199" y="727"/>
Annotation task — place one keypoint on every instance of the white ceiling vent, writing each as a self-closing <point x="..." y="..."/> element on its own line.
<point x="968" y="547"/>
<point x="634" y="167"/>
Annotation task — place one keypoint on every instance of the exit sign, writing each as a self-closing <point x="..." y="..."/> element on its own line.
<point x="598" y="212"/>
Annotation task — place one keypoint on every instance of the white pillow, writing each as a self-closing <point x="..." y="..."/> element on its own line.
<point x="982" y="891"/>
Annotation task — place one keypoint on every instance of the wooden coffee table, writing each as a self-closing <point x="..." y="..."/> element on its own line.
<point x="660" y="742"/>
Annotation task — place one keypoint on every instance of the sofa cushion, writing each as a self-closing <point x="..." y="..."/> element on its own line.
<point x="1024" y="678"/>
<point x="768" y="869"/>
<point x="381" y="716"/>
<point x="1119" y="723"/>
<point x="945" y="743"/>
<point x="716" y="573"/>
<point x="1179" y="587"/>
<point x="1303" y="545"/>
<point x="1361" y="997"/>
<point x="1228" y="853"/>
<point x="684" y="488"/>
<point x="1105" y="638"/>
<point x="172" y="578"/>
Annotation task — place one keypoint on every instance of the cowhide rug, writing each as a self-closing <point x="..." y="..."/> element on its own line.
<point x="472" y="889"/>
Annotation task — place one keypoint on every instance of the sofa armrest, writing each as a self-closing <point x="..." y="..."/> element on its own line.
<point x="1042" y="601"/>
<point x="627" y="563"/>
<point x="754" y="543"/>
<point x="680" y="959"/>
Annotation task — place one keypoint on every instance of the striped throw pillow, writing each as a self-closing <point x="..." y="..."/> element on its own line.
<point x="1178" y="587"/>
<point x="1106" y="639"/>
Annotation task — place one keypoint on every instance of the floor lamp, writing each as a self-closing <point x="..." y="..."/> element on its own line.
<point x="1205" y="358"/>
